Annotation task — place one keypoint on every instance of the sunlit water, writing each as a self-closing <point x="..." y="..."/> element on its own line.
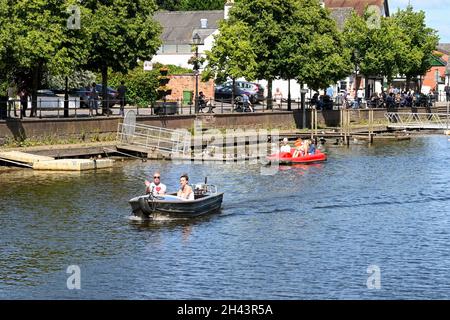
<point x="307" y="232"/>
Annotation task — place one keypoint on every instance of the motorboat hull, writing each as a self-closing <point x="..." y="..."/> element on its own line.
<point x="144" y="207"/>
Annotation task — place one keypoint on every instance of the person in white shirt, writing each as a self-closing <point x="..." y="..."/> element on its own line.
<point x="156" y="187"/>
<point x="285" y="147"/>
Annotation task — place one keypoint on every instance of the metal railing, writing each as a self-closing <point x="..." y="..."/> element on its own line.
<point x="408" y="120"/>
<point x="54" y="107"/>
<point x="154" y="138"/>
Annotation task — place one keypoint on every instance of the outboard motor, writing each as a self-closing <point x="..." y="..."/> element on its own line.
<point x="201" y="189"/>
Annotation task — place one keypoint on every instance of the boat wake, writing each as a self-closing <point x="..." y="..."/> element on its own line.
<point x="134" y="218"/>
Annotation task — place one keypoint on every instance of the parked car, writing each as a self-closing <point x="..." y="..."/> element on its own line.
<point x="83" y="93"/>
<point x="47" y="98"/>
<point x="223" y="92"/>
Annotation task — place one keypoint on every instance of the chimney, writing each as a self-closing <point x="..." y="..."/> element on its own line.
<point x="204" y="23"/>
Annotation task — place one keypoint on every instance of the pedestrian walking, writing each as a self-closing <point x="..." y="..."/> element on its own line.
<point x="23" y="102"/>
<point x="447" y="92"/>
<point x="93" y="103"/>
<point x="278" y="97"/>
<point x="12" y="94"/>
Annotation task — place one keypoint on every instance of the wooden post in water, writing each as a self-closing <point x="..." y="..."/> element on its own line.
<point x="348" y="126"/>
<point x="371" y="125"/>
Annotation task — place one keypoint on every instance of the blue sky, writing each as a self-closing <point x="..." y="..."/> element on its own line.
<point x="437" y="14"/>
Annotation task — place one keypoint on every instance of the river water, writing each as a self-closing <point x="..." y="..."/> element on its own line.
<point x="308" y="232"/>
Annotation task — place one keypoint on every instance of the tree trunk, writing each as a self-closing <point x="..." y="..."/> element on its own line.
<point x="289" y="95"/>
<point x="105" y="106"/>
<point x="408" y="80"/>
<point x="34" y="88"/>
<point x="66" y="97"/>
<point x="357" y="84"/>
<point x="233" y="90"/>
<point x="269" y="94"/>
<point x="366" y="88"/>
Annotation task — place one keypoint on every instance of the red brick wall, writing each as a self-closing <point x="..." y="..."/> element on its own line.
<point x="180" y="83"/>
<point x="430" y="78"/>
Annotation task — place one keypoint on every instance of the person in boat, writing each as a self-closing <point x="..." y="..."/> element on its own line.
<point x="185" y="192"/>
<point x="298" y="148"/>
<point x="156" y="187"/>
<point x="312" y="148"/>
<point x="305" y="147"/>
<point x="285" y="147"/>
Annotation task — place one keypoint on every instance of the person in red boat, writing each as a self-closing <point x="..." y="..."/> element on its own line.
<point x="156" y="187"/>
<point x="285" y="147"/>
<point x="298" y="148"/>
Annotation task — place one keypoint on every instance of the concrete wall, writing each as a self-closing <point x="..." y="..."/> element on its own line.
<point x="41" y="128"/>
<point x="280" y="120"/>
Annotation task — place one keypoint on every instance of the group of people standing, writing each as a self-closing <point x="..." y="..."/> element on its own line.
<point x="400" y="99"/>
<point x="92" y="95"/>
<point x="13" y="92"/>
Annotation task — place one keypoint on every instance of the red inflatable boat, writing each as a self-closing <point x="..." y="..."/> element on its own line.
<point x="286" y="157"/>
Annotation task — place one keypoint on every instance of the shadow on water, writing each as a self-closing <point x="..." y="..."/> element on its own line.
<point x="170" y="223"/>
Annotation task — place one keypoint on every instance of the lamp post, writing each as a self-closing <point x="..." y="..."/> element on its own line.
<point x="196" y="41"/>
<point x="356" y="60"/>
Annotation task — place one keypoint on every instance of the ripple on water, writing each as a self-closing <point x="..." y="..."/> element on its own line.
<point x="308" y="232"/>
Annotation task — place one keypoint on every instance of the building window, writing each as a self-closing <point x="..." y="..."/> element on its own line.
<point x="184" y="48"/>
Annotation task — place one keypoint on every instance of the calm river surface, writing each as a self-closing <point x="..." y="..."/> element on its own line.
<point x="308" y="232"/>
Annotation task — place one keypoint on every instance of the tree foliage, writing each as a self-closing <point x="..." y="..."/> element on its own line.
<point x="401" y="45"/>
<point x="191" y="5"/>
<point x="123" y="31"/>
<point x="420" y="43"/>
<point x="141" y="85"/>
<point x="311" y="49"/>
<point x="232" y="54"/>
<point x="35" y="37"/>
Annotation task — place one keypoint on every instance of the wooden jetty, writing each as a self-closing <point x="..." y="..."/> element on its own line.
<point x="38" y="162"/>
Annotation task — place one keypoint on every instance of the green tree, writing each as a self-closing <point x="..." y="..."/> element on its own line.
<point x="37" y="28"/>
<point x="311" y="49"/>
<point x="232" y="55"/>
<point x="73" y="50"/>
<point x="141" y="85"/>
<point x="168" y="4"/>
<point x="190" y="5"/>
<point x="421" y="42"/>
<point x="268" y="21"/>
<point x="5" y="47"/>
<point x="375" y="51"/>
<point x="39" y="39"/>
<point x="193" y="5"/>
<point x="123" y="31"/>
